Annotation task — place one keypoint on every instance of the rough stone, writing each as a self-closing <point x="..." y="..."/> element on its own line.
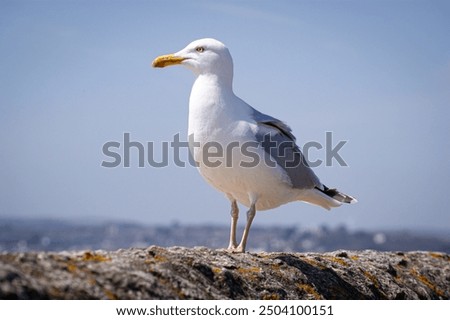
<point x="201" y="273"/>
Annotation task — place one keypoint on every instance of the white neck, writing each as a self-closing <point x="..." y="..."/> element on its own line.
<point x="223" y="82"/>
<point x="209" y="102"/>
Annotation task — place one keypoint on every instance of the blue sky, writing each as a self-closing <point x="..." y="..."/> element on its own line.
<point x="76" y="74"/>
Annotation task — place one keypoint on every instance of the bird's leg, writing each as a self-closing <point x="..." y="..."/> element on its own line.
<point x="234" y="219"/>
<point x="250" y="215"/>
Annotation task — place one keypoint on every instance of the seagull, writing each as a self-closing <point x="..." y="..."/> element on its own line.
<point x="261" y="167"/>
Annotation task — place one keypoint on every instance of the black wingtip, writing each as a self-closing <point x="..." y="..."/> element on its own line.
<point x="337" y="195"/>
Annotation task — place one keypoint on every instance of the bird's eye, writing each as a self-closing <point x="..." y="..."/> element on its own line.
<point x="199" y="49"/>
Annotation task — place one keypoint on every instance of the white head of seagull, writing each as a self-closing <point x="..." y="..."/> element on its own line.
<point x="218" y="116"/>
<point x="205" y="57"/>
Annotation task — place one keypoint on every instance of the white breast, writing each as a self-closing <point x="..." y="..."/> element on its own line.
<point x="221" y="122"/>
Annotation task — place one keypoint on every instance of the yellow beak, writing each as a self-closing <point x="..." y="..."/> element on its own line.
<point x="167" y="60"/>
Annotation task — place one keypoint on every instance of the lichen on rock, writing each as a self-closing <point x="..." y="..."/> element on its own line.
<point x="201" y="273"/>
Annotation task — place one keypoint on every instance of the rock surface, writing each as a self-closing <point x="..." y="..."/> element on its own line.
<point x="201" y="273"/>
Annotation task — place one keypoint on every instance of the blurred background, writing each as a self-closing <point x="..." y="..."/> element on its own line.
<point x="76" y="74"/>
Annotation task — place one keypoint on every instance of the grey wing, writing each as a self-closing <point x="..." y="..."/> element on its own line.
<point x="273" y="122"/>
<point x="278" y="141"/>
